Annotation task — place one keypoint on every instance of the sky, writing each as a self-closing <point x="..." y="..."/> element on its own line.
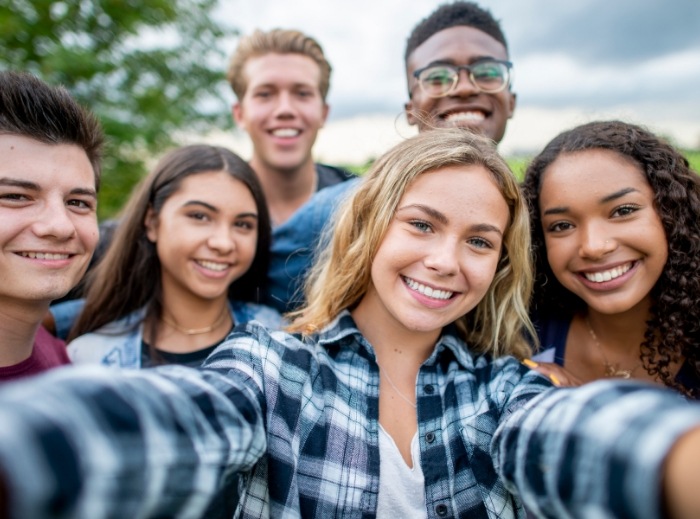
<point x="637" y="60"/>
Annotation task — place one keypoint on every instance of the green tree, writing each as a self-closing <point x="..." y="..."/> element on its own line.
<point x="150" y="69"/>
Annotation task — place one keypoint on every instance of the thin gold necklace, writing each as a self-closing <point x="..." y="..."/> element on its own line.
<point x="611" y="370"/>
<point x="196" y="331"/>
<point x="398" y="392"/>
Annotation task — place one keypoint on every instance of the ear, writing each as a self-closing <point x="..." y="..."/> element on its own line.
<point x="237" y="112"/>
<point x="326" y="110"/>
<point x="512" y="103"/>
<point x="410" y="115"/>
<point x="150" y="222"/>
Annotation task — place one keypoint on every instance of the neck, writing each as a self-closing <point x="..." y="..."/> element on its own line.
<point x="622" y="333"/>
<point x="286" y="190"/>
<point x="17" y="332"/>
<point x="393" y="343"/>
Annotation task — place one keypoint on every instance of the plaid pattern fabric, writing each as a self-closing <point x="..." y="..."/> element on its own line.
<point x="299" y="421"/>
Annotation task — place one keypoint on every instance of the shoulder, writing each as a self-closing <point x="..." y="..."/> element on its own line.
<point x="331" y="175"/>
<point x="115" y="344"/>
<point x="244" y="312"/>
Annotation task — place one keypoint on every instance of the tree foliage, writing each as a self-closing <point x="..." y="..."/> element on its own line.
<point x="150" y="69"/>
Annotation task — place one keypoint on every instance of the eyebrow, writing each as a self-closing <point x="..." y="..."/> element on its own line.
<point x="607" y="198"/>
<point x="434" y="213"/>
<point x="33" y="186"/>
<point x="452" y="62"/>
<point x="216" y="210"/>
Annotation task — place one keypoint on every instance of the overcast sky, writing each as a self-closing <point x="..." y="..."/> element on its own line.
<point x="573" y="61"/>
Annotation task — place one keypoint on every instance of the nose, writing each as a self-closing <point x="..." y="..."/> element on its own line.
<point x="54" y="221"/>
<point x="285" y="105"/>
<point x="595" y="242"/>
<point x="464" y="87"/>
<point x="222" y="240"/>
<point x="442" y="258"/>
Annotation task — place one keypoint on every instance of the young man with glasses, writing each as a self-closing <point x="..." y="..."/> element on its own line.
<point x="458" y="72"/>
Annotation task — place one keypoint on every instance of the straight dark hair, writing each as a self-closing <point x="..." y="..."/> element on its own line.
<point x="129" y="276"/>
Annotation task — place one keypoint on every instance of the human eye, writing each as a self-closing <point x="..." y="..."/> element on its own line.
<point x="14" y="197"/>
<point x="438" y="76"/>
<point x="625" y="210"/>
<point x="559" y="227"/>
<point x="480" y="242"/>
<point x="421" y="225"/>
<point x="247" y="225"/>
<point x="199" y="216"/>
<point x="81" y="204"/>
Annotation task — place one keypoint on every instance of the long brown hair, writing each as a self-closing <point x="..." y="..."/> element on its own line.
<point x="129" y="276"/>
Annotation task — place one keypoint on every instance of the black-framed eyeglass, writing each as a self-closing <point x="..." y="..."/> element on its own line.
<point x="488" y="75"/>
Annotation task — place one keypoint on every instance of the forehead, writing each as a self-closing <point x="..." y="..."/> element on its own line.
<point x="47" y="165"/>
<point x="464" y="192"/>
<point x="459" y="45"/>
<point x="217" y="188"/>
<point x="281" y="70"/>
<point x="595" y="172"/>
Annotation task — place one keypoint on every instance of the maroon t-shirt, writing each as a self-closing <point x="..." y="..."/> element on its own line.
<point x="48" y="352"/>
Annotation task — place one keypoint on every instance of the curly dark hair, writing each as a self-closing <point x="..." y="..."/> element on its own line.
<point x="452" y="15"/>
<point x="673" y="329"/>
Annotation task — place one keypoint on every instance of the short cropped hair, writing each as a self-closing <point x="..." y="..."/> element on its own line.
<point x="276" y="41"/>
<point x="451" y="15"/>
<point x="48" y="114"/>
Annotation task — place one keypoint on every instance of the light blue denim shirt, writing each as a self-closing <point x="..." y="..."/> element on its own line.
<point x="295" y="242"/>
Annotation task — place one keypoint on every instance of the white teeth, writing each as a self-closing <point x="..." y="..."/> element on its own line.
<point x="427" y="291"/>
<point x="465" y="116"/>
<point x="212" y="265"/>
<point x="285" y="132"/>
<point x="599" y="277"/>
<point x="45" y="255"/>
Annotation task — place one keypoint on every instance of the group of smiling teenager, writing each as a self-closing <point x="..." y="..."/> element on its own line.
<point x="398" y="388"/>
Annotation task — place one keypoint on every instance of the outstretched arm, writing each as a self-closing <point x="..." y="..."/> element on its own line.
<point x="601" y="451"/>
<point x="89" y="442"/>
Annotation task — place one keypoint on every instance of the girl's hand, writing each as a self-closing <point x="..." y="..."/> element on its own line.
<point x="559" y="376"/>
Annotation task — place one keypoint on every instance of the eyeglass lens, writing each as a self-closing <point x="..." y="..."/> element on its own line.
<point x="488" y="76"/>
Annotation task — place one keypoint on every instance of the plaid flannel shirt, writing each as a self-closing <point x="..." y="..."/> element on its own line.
<point x="299" y="422"/>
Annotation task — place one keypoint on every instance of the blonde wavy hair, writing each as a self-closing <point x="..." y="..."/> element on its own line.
<point x="341" y="276"/>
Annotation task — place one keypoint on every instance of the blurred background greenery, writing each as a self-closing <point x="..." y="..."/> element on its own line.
<point x="149" y="69"/>
<point x="152" y="70"/>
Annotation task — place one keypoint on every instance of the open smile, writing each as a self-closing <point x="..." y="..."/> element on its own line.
<point x="214" y="266"/>
<point x="610" y="274"/>
<point x="433" y="293"/>
<point x="53" y="256"/>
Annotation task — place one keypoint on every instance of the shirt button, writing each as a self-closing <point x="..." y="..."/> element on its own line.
<point x="441" y="510"/>
<point x="429" y="389"/>
<point x="430" y="438"/>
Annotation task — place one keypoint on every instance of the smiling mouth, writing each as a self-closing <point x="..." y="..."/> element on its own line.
<point x="286" y="132"/>
<point x="471" y="116"/>
<point x="212" y="265"/>
<point x="442" y="295"/>
<point x="608" y="275"/>
<point x="44" y="255"/>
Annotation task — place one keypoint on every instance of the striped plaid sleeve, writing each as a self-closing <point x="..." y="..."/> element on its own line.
<point x="593" y="452"/>
<point x="90" y="442"/>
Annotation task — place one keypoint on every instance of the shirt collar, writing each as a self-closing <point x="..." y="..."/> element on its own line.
<point x="343" y="332"/>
